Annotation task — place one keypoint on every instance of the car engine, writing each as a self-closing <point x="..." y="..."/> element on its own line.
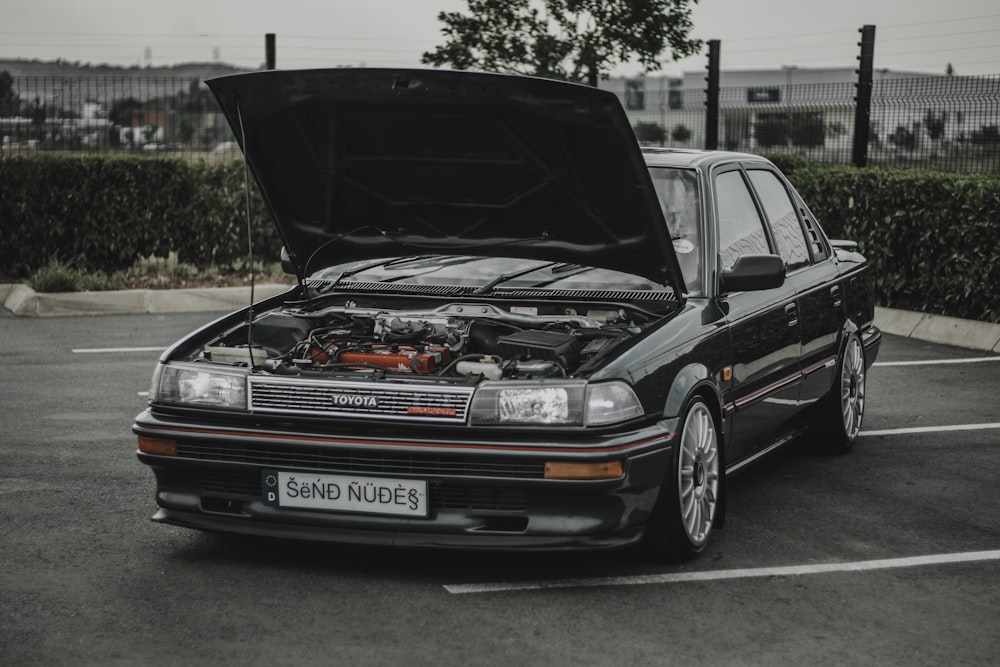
<point x="458" y="340"/>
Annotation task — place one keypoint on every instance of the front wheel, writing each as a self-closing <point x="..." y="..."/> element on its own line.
<point x="681" y="521"/>
<point x="843" y="408"/>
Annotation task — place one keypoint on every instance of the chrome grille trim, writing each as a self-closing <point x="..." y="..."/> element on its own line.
<point x="367" y="463"/>
<point x="385" y="401"/>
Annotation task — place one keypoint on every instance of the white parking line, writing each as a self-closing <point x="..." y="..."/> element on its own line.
<point x="931" y="429"/>
<point x="97" y="350"/>
<point x="936" y="362"/>
<point x="757" y="572"/>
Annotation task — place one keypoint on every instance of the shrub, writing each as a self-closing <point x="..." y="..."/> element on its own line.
<point x="55" y="277"/>
<point x="100" y="213"/>
<point x="649" y="133"/>
<point x="680" y="134"/>
<point x="931" y="237"/>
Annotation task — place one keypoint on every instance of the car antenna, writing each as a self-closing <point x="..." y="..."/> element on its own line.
<point x="246" y="193"/>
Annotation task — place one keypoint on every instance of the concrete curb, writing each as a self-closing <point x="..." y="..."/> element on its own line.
<point x="21" y="300"/>
<point x="939" y="329"/>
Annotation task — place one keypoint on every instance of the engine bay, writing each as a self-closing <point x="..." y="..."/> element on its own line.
<point x="468" y="341"/>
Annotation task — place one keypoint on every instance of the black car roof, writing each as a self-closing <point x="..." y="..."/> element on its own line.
<point x="691" y="158"/>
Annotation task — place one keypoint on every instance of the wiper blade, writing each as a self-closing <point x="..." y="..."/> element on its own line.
<point x="573" y="270"/>
<point x="504" y="277"/>
<point x="367" y="267"/>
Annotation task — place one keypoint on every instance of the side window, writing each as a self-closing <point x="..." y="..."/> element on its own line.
<point x="741" y="231"/>
<point x="677" y="190"/>
<point x="780" y="213"/>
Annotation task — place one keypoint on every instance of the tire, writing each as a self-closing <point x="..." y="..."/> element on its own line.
<point x="681" y="522"/>
<point x="843" y="409"/>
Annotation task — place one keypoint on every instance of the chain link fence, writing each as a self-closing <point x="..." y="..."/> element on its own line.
<point x="112" y="114"/>
<point x="933" y="122"/>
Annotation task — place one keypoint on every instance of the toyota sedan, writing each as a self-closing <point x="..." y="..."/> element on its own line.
<point x="511" y="329"/>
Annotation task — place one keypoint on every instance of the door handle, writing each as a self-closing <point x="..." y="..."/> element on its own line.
<point x="835" y="293"/>
<point x="792" y="313"/>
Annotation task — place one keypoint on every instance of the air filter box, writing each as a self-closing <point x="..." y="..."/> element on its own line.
<point x="561" y="348"/>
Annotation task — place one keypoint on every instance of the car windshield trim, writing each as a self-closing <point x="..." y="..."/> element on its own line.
<point x="665" y="295"/>
<point x="481" y="276"/>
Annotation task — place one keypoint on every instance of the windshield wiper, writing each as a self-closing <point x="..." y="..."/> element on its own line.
<point x="570" y="271"/>
<point x="504" y="277"/>
<point x="374" y="265"/>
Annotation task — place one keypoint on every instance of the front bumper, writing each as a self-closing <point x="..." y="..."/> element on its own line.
<point x="483" y="493"/>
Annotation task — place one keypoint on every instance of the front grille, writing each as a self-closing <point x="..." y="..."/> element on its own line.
<point x="247" y="483"/>
<point x="425" y="403"/>
<point x="338" y="461"/>
<point x="230" y="482"/>
<point x="478" y="498"/>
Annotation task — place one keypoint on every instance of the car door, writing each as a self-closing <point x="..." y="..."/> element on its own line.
<point x="811" y="272"/>
<point x="764" y="326"/>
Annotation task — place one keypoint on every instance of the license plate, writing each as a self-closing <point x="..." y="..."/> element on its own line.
<point x="346" y="493"/>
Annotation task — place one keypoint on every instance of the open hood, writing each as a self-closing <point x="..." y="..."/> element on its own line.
<point x="367" y="163"/>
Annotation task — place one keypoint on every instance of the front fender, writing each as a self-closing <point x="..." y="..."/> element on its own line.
<point x="684" y="384"/>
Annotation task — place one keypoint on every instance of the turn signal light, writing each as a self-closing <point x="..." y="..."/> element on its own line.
<point x="574" y="470"/>
<point x="161" y="446"/>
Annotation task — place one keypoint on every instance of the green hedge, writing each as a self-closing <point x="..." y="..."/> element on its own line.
<point x="932" y="238"/>
<point x="104" y="213"/>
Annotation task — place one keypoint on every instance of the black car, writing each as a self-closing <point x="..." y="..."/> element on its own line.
<point x="512" y="329"/>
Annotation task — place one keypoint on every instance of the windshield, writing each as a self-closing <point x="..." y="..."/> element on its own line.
<point x="473" y="271"/>
<point x="677" y="190"/>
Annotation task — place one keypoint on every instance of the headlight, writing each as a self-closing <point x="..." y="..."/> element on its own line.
<point x="191" y="385"/>
<point x="560" y="403"/>
<point x="610" y="403"/>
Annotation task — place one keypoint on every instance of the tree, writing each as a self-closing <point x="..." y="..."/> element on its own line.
<point x="122" y="110"/>
<point x="771" y="129"/>
<point x="149" y="133"/>
<point x="10" y="102"/>
<point x="935" y="123"/>
<point x="680" y="134"/>
<point x="572" y="40"/>
<point x="985" y="135"/>
<point x="185" y="130"/>
<point x="807" y="129"/>
<point x="649" y="133"/>
<point x="903" y="138"/>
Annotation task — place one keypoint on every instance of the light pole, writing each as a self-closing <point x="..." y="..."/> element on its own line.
<point x="788" y="79"/>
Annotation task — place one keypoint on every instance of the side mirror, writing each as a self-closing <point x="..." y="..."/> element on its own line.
<point x="754" y="272"/>
<point x="286" y="262"/>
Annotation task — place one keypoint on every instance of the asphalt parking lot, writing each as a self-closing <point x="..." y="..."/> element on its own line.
<point x="888" y="555"/>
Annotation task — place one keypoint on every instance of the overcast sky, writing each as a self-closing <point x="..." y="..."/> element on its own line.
<point x="911" y="35"/>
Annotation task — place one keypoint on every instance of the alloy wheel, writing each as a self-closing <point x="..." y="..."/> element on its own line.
<point x="852" y="388"/>
<point x="698" y="473"/>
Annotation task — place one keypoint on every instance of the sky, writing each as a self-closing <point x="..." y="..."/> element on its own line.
<point x="911" y="35"/>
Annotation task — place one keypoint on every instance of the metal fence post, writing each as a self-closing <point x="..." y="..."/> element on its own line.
<point x="712" y="96"/>
<point x="863" y="98"/>
<point x="269" y="51"/>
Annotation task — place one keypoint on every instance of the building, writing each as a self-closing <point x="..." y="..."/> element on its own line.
<point x="811" y="111"/>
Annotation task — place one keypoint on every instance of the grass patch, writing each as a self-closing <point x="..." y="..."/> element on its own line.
<point x="59" y="277"/>
<point x="152" y="274"/>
